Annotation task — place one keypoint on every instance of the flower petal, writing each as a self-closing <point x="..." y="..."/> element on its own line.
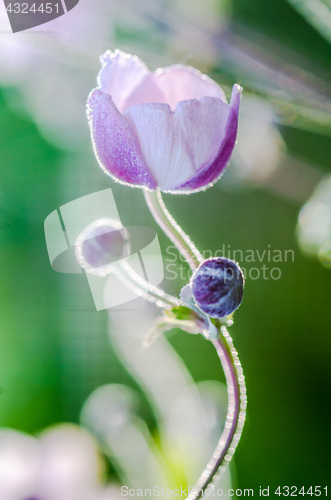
<point x="207" y="176"/>
<point x="115" y="143"/>
<point x="181" y="83"/>
<point x="147" y="91"/>
<point x="178" y="144"/>
<point x="129" y="82"/>
<point x="174" y="84"/>
<point x="120" y="74"/>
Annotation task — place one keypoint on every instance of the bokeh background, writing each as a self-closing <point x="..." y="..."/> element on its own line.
<point x="63" y="362"/>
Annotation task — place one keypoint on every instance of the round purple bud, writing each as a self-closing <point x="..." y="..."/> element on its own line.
<point x="218" y="286"/>
<point x="102" y="243"/>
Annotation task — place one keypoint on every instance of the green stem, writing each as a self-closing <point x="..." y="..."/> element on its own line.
<point x="235" y="418"/>
<point x="174" y="232"/>
<point x="151" y="293"/>
<point x="227" y="354"/>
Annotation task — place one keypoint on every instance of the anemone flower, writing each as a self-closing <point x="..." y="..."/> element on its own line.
<point x="170" y="129"/>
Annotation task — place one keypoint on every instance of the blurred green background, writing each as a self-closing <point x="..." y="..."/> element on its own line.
<point x="54" y="348"/>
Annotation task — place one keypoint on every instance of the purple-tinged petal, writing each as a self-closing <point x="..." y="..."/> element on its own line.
<point x="115" y="143"/>
<point x="208" y="175"/>
<point x="150" y="145"/>
<point x="178" y="144"/>
<point x="120" y="74"/>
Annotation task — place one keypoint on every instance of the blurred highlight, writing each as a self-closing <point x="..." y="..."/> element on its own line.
<point x="62" y="464"/>
<point x="314" y="224"/>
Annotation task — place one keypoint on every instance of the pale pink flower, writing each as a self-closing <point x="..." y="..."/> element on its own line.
<point x="171" y="128"/>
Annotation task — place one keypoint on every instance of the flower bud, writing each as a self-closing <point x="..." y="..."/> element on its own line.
<point x="102" y="243"/>
<point x="218" y="286"/>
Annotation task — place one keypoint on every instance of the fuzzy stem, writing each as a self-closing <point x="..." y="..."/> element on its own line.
<point x="235" y="418"/>
<point x="151" y="293"/>
<point x="174" y="232"/>
<point x="235" y="379"/>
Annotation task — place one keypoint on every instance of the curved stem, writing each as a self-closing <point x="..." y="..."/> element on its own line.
<point x="235" y="379"/>
<point x="152" y="293"/>
<point x="235" y="418"/>
<point x="174" y="232"/>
